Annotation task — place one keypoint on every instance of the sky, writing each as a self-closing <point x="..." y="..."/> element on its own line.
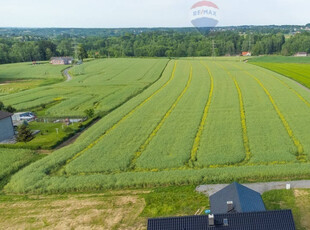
<point x="147" y="13"/>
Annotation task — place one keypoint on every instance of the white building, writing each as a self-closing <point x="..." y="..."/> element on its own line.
<point x="301" y="54"/>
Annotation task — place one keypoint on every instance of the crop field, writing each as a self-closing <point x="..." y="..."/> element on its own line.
<point x="101" y="85"/>
<point x="12" y="160"/>
<point x="299" y="71"/>
<point x="204" y="120"/>
<point x="24" y="76"/>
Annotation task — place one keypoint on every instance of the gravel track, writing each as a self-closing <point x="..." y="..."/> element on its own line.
<point x="259" y="187"/>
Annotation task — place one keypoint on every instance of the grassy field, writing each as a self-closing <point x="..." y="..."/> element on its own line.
<point x="205" y="120"/>
<point x="297" y="200"/>
<point x="48" y="137"/>
<point x="101" y="85"/>
<point x="280" y="59"/>
<point x="24" y="76"/>
<point x="125" y="209"/>
<point x="11" y="160"/>
<point x="295" y="71"/>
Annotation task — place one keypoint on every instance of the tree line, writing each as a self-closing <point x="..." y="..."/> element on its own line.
<point x="151" y="44"/>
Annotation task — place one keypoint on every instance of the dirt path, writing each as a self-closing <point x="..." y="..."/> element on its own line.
<point x="67" y="75"/>
<point x="259" y="187"/>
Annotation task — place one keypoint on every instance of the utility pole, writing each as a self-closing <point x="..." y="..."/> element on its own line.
<point x="213" y="48"/>
<point x="75" y="49"/>
<point x="250" y="43"/>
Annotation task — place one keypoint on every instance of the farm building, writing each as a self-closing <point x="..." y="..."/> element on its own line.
<point x="246" y="54"/>
<point x="301" y="54"/>
<point x="61" y="60"/>
<point x="234" y="207"/>
<point x="6" y="126"/>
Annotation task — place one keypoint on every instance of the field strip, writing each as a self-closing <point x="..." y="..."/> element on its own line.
<point x="246" y="145"/>
<point x="289" y="87"/>
<point x="123" y="118"/>
<point x="196" y="144"/>
<point x="149" y="70"/>
<point x="300" y="150"/>
<point x="160" y="124"/>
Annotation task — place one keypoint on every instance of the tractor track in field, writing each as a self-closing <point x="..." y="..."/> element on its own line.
<point x="160" y="124"/>
<point x="290" y="88"/>
<point x="123" y="118"/>
<point x="195" y="147"/>
<point x="248" y="154"/>
<point x="300" y="155"/>
<point x="245" y="162"/>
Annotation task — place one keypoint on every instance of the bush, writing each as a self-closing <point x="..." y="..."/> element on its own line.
<point x="24" y="134"/>
<point x="90" y="113"/>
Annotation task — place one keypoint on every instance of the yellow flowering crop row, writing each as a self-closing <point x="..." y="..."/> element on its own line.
<point x="290" y="88"/>
<point x="203" y="120"/>
<point x="300" y="150"/>
<point x="246" y="144"/>
<point x="124" y="118"/>
<point x="153" y="134"/>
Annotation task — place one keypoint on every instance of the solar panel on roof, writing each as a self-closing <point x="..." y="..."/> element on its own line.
<point x="268" y="220"/>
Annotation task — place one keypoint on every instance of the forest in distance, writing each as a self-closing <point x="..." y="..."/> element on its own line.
<point x="39" y="45"/>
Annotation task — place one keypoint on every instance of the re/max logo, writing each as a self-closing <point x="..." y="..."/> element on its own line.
<point x="204" y="12"/>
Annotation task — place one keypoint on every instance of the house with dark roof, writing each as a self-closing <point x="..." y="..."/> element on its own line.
<point x="61" y="60"/>
<point x="268" y="220"/>
<point x="6" y="126"/>
<point x="236" y="198"/>
<point x="235" y="207"/>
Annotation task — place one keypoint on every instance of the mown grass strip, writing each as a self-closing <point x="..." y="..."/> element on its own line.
<point x="248" y="154"/>
<point x="196" y="144"/>
<point x="123" y="118"/>
<point x="300" y="150"/>
<point x="160" y="124"/>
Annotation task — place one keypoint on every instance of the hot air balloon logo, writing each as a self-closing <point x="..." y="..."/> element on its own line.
<point x="204" y="14"/>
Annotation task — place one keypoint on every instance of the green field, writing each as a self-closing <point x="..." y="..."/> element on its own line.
<point x="101" y="85"/>
<point x="204" y="120"/>
<point x="24" y="76"/>
<point x="280" y="59"/>
<point x="295" y="68"/>
<point x="11" y="160"/>
<point x="47" y="138"/>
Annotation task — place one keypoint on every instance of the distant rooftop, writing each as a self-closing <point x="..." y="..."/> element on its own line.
<point x="4" y="114"/>
<point x="268" y="220"/>
<point x="62" y="58"/>
<point x="243" y="198"/>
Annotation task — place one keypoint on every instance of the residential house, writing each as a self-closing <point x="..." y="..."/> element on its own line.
<point x="6" y="126"/>
<point x="246" y="54"/>
<point x="234" y="207"/>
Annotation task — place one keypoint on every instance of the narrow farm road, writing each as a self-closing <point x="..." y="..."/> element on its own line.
<point x="258" y="187"/>
<point x="67" y="75"/>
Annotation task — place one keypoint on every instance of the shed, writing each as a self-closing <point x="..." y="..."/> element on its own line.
<point x="268" y="220"/>
<point x="6" y="126"/>
<point x="236" y="198"/>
